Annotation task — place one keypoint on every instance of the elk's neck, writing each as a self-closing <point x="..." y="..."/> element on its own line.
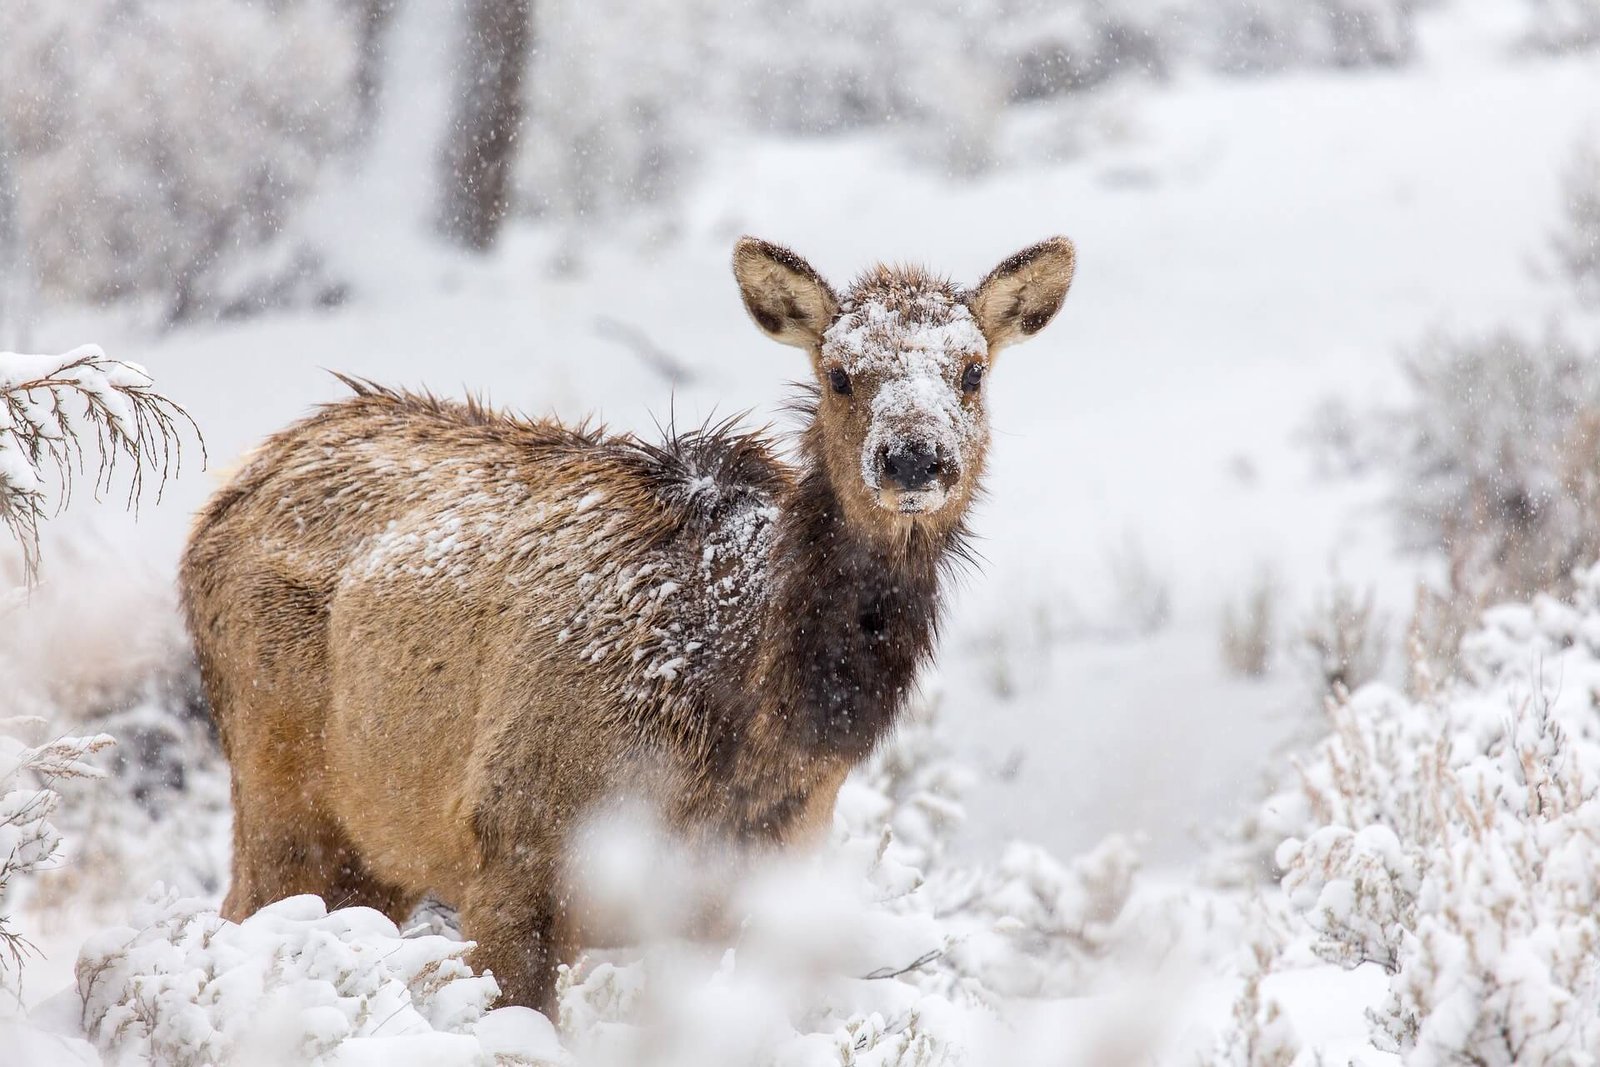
<point x="851" y="619"/>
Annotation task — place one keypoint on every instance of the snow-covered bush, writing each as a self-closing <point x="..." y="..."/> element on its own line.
<point x="52" y="407"/>
<point x="1496" y="450"/>
<point x="103" y="650"/>
<point x="294" y="983"/>
<point x="1259" y="1033"/>
<point x="29" y="841"/>
<point x="1451" y="839"/>
<point x="160" y="814"/>
<point x="612" y="120"/>
<point x="617" y="120"/>
<point x="1343" y="638"/>
<point x="1578" y="241"/>
<point x="885" y="949"/>
<point x="1044" y="50"/>
<point x="1249" y="627"/>
<point x="1262" y="36"/>
<point x="153" y="142"/>
<point x="1563" y="25"/>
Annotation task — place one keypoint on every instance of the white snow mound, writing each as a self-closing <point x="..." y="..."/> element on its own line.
<point x="294" y="983"/>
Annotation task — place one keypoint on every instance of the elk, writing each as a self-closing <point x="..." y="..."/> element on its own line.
<point x="435" y="636"/>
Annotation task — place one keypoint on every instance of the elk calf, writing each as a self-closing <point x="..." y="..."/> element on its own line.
<point x="435" y="636"/>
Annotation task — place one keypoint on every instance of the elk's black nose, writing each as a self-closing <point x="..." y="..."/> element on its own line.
<point x="910" y="466"/>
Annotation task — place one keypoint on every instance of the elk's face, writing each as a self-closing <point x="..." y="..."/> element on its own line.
<point x="902" y="394"/>
<point x="902" y="362"/>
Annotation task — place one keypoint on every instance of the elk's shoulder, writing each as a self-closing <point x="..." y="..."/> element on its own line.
<point x="702" y="476"/>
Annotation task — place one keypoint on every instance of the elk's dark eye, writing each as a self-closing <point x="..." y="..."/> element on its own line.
<point x="840" y="381"/>
<point x="972" y="379"/>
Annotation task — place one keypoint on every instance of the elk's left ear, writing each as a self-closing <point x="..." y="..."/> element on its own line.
<point x="1024" y="292"/>
<point x="783" y="293"/>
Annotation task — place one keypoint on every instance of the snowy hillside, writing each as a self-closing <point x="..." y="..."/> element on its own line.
<point x="1140" y="817"/>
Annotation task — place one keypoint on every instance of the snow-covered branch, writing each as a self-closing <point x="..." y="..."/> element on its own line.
<point x="56" y="410"/>
<point x="28" y="840"/>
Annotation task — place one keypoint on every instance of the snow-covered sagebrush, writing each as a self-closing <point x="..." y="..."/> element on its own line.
<point x="152" y="144"/>
<point x="1254" y="37"/>
<point x="881" y="951"/>
<point x="1577" y="241"/>
<point x="625" y="140"/>
<point x="1496" y="450"/>
<point x="1451" y="839"/>
<point x="884" y="951"/>
<point x="1563" y="25"/>
<point x="294" y="983"/>
<point x="161" y="813"/>
<point x="29" y="840"/>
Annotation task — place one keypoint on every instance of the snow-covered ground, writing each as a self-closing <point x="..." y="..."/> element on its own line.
<point x="1246" y="248"/>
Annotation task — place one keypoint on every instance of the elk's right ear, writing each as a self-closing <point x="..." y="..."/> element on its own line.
<point x="783" y="293"/>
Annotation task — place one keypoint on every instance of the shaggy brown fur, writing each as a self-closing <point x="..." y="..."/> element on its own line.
<point x="437" y="637"/>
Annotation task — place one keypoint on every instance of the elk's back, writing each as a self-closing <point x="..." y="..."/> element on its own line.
<point x="405" y="608"/>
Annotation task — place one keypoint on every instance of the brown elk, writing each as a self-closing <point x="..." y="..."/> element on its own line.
<point x="435" y="637"/>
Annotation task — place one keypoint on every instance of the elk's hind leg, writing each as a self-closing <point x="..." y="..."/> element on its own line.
<point x="284" y="849"/>
<point x="517" y="918"/>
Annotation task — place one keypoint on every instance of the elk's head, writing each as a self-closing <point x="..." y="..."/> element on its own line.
<point x="901" y="362"/>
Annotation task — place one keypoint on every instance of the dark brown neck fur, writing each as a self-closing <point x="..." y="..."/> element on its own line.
<point x="853" y="616"/>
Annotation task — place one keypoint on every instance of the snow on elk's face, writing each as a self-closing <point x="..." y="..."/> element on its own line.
<point x="902" y="363"/>
<point x="902" y="389"/>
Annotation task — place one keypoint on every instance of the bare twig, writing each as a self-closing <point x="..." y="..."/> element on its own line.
<point x="915" y="965"/>
<point x="652" y="355"/>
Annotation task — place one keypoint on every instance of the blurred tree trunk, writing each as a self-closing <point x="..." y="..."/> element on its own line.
<point x="8" y="233"/>
<point x="481" y="142"/>
<point x="13" y="260"/>
<point x="374" y="16"/>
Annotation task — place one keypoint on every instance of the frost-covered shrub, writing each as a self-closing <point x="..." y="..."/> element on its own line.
<point x="1578" y="242"/>
<point x="1262" y="36"/>
<point x="886" y="952"/>
<point x="612" y="117"/>
<point x="1494" y="463"/>
<point x="1047" y="49"/>
<point x="885" y="949"/>
<point x="1249" y="626"/>
<point x="1451" y="839"/>
<point x="161" y="814"/>
<point x="293" y="983"/>
<point x="1259" y="1034"/>
<point x="29" y="840"/>
<point x="1343" y="638"/>
<point x="1563" y="25"/>
<point x="99" y="647"/>
<point x="1365" y="33"/>
<point x="152" y="141"/>
<point x="618" y="119"/>
<point x="840" y="66"/>
<point x="1497" y="448"/>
